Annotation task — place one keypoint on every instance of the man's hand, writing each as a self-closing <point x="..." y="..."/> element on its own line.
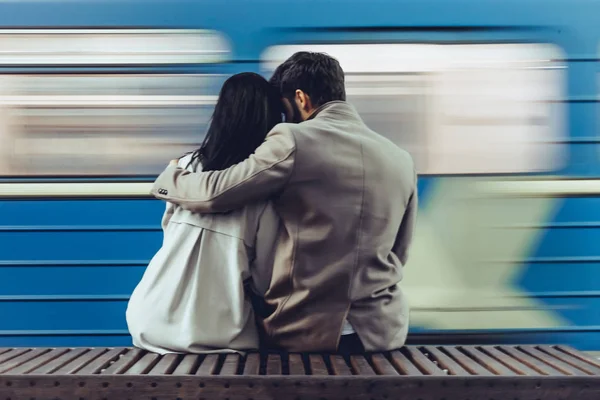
<point x="174" y="163"/>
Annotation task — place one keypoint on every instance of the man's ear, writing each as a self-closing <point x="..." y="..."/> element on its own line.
<point x="303" y="101"/>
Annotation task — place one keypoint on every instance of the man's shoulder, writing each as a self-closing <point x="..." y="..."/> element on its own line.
<point x="400" y="152"/>
<point x="297" y="135"/>
<point x="298" y="130"/>
<point x="283" y="135"/>
<point x="381" y="151"/>
<point x="284" y="128"/>
<point x="389" y="145"/>
<point x="401" y="156"/>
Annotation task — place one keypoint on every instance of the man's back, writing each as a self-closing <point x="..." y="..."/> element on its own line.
<point x="347" y="202"/>
<point x="342" y="210"/>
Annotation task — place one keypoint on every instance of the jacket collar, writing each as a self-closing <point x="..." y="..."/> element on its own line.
<point x="336" y="107"/>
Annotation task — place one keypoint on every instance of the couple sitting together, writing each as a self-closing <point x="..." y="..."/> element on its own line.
<point x="284" y="236"/>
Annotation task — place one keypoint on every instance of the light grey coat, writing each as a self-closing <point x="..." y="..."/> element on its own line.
<point x="191" y="298"/>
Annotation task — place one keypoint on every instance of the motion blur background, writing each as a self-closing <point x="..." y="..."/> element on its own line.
<point x="497" y="101"/>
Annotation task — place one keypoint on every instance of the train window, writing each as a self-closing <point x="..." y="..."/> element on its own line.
<point x="459" y="109"/>
<point x="85" y="123"/>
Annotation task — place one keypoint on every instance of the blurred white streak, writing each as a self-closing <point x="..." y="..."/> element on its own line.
<point x="110" y="101"/>
<point x="527" y="188"/>
<point x="474" y="109"/>
<point x="378" y="58"/>
<point x="109" y="189"/>
<point x="101" y="124"/>
<point x="111" y="46"/>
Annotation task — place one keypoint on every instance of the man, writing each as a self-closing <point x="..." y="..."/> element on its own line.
<point x="347" y="200"/>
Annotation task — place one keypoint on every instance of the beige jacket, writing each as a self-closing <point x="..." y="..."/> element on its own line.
<point x="347" y="201"/>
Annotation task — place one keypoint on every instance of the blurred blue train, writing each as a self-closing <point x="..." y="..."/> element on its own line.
<point x="496" y="100"/>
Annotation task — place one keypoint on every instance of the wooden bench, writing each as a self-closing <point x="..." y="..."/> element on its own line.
<point x="416" y="373"/>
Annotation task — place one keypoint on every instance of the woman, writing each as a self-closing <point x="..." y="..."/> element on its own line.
<point x="191" y="298"/>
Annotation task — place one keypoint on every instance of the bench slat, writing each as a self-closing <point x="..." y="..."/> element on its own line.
<point x="403" y="365"/>
<point x="361" y="365"/>
<point x="446" y="362"/>
<point x="55" y="364"/>
<point x="491" y="364"/>
<point x="166" y="365"/>
<point x="78" y="363"/>
<point x="296" y="365"/>
<point x="101" y="362"/>
<point x="274" y="364"/>
<point x="13" y="353"/>
<point x="467" y="363"/>
<point x="209" y="365"/>
<point x="317" y="365"/>
<point x="572" y="361"/>
<point x="531" y="362"/>
<point x="382" y="366"/>
<point x="580" y="356"/>
<point x="123" y="363"/>
<point x="508" y="361"/>
<point x="22" y="359"/>
<point x="252" y="366"/>
<point x="424" y="363"/>
<point x="339" y="366"/>
<point x="230" y="365"/>
<point x="38" y="362"/>
<point x="143" y="365"/>
<point x="187" y="365"/>
<point x="553" y="362"/>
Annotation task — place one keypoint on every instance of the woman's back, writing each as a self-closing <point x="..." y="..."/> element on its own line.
<point x="191" y="298"/>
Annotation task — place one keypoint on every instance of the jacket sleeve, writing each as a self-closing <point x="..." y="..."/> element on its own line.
<point x="170" y="207"/>
<point x="264" y="249"/>
<point x="258" y="177"/>
<point x="407" y="227"/>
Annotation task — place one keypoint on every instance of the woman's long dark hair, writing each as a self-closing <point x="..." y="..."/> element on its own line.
<point x="247" y="109"/>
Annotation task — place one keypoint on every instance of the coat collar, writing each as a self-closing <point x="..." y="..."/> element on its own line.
<point x="338" y="108"/>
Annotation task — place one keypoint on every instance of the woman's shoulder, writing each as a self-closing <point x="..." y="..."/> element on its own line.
<point x="185" y="160"/>
<point x="188" y="162"/>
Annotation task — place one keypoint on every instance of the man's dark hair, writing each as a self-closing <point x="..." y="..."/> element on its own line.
<point x="283" y="67"/>
<point x="316" y="74"/>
